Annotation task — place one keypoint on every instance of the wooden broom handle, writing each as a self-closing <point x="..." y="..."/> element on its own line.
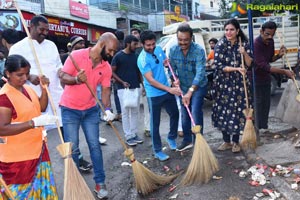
<point x="287" y="62"/>
<point x="7" y="190"/>
<point x="39" y="68"/>
<point x="244" y="78"/>
<point x="99" y="103"/>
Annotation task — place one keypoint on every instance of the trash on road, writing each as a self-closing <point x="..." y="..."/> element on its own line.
<point x="273" y="194"/>
<point x="125" y="164"/>
<point x="166" y="168"/>
<point x="174" y="196"/>
<point x="243" y="174"/>
<point x="172" y="188"/>
<point x="217" y="177"/>
<point x="294" y="186"/>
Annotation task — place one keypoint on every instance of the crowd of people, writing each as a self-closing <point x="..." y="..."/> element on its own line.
<point x="132" y="63"/>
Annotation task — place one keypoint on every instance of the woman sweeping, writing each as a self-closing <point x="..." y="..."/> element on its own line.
<point x="24" y="159"/>
<point x="229" y="95"/>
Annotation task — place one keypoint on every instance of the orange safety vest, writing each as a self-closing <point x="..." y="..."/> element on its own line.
<point x="28" y="144"/>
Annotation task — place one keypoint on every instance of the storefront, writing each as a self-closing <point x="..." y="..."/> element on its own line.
<point x="60" y="30"/>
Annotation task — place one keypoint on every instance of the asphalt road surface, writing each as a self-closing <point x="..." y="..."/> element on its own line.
<point x="120" y="180"/>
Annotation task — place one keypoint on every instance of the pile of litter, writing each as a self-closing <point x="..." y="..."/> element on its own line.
<point x="259" y="175"/>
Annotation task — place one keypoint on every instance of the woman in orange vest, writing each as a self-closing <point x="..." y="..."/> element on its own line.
<point x="24" y="158"/>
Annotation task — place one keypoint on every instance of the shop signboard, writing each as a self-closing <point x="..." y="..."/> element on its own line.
<point x="60" y="27"/>
<point x="79" y="9"/>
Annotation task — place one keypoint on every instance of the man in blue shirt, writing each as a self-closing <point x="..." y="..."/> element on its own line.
<point x="188" y="62"/>
<point x="151" y="63"/>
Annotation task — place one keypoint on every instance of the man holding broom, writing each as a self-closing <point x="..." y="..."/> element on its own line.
<point x="94" y="70"/>
<point x="263" y="56"/>
<point x="151" y="63"/>
<point x="188" y="62"/>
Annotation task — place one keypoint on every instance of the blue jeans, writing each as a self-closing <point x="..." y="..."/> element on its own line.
<point x="88" y="119"/>
<point x="167" y="101"/>
<point x="195" y="107"/>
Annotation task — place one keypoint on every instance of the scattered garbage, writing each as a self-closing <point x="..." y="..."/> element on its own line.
<point x="294" y="186"/>
<point x="297" y="171"/>
<point x="177" y="168"/>
<point x="217" y="177"/>
<point x="186" y="194"/>
<point x="243" y="174"/>
<point x="273" y="194"/>
<point x="172" y="188"/>
<point x="259" y="178"/>
<point x="174" y="196"/>
<point x="166" y="168"/>
<point x="125" y="164"/>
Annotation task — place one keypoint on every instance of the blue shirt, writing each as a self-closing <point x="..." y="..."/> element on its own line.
<point x="148" y="63"/>
<point x="189" y="69"/>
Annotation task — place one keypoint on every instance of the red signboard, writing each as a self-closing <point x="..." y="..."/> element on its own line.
<point x="79" y="10"/>
<point x="96" y="34"/>
<point x="60" y="27"/>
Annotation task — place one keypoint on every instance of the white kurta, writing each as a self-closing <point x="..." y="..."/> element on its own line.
<point x="50" y="62"/>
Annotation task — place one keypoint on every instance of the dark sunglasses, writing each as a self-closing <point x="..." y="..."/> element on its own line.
<point x="156" y="59"/>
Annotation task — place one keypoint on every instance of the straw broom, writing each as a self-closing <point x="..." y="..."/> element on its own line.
<point x="7" y="190"/>
<point x="290" y="68"/>
<point x="74" y="185"/>
<point x="145" y="180"/>
<point x="203" y="163"/>
<point x="249" y="135"/>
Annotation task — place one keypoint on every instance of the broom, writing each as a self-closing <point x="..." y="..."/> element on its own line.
<point x="74" y="185"/>
<point x="249" y="135"/>
<point x="203" y="164"/>
<point x="145" y="180"/>
<point x="289" y="65"/>
<point x="6" y="188"/>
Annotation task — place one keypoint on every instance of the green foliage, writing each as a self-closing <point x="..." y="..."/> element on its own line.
<point x="123" y="8"/>
<point x="141" y="27"/>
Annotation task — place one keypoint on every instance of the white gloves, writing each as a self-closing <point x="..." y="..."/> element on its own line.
<point x="44" y="120"/>
<point x="109" y="116"/>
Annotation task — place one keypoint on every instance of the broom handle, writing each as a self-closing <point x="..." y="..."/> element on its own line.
<point x="99" y="103"/>
<point x="288" y="63"/>
<point x="187" y="107"/>
<point x="244" y="78"/>
<point x="39" y="68"/>
<point x="7" y="190"/>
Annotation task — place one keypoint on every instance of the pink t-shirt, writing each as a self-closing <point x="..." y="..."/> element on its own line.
<point x="78" y="96"/>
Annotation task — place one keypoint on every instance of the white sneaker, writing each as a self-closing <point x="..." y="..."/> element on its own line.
<point x="102" y="140"/>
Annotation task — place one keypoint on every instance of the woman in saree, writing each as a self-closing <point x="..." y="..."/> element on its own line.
<point x="24" y="159"/>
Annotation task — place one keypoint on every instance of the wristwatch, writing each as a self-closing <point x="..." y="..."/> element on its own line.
<point x="191" y="89"/>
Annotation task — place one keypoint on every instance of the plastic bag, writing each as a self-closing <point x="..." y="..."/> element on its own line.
<point x="131" y="97"/>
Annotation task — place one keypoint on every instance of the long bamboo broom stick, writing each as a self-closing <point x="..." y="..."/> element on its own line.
<point x="7" y="190"/>
<point x="74" y="185"/>
<point x="203" y="163"/>
<point x="145" y="180"/>
<point x="290" y="68"/>
<point x="249" y="135"/>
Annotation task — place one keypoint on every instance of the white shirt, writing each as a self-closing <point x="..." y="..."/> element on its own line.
<point x="50" y="62"/>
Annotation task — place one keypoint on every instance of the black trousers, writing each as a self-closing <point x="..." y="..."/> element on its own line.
<point x="262" y="107"/>
<point x="226" y="137"/>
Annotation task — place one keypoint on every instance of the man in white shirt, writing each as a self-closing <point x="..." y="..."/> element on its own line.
<point x="49" y="65"/>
